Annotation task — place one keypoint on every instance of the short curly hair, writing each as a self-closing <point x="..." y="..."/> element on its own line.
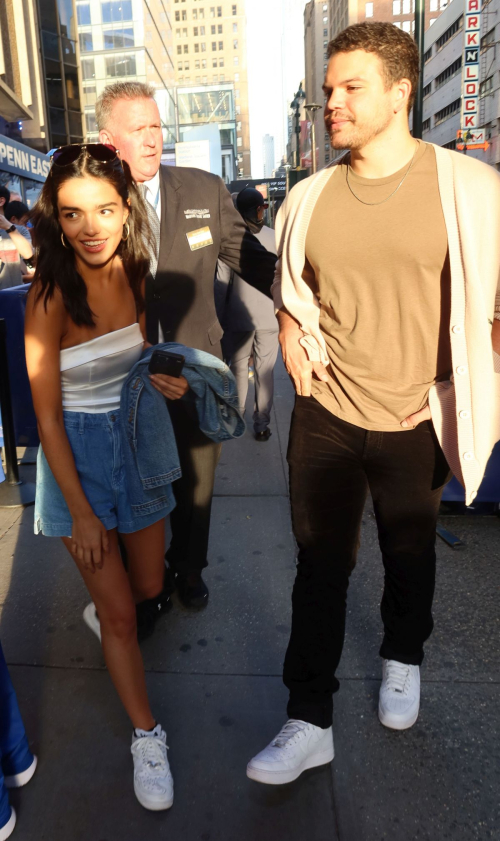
<point x="396" y="50"/>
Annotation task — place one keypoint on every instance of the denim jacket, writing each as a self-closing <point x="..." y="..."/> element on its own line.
<point x="150" y="450"/>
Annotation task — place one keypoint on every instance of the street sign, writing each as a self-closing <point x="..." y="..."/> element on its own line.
<point x="474" y="139"/>
<point x="470" y="72"/>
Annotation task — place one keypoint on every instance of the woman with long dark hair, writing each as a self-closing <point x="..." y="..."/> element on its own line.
<point x="84" y="332"/>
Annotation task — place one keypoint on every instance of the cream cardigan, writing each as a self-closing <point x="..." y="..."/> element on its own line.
<point x="465" y="410"/>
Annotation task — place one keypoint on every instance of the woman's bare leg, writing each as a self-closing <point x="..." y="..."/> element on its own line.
<point x="146" y="560"/>
<point x="111" y="593"/>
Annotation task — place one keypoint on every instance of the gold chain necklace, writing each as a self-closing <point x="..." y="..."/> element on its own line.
<point x="374" y="203"/>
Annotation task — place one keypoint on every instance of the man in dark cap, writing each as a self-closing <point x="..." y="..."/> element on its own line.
<point x="247" y="316"/>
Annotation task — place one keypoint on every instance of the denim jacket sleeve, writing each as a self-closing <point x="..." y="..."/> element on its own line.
<point x="213" y="389"/>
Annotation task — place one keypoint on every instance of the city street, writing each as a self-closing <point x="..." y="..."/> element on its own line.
<point x="215" y="684"/>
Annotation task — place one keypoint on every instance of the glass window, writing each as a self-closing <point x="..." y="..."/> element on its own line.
<point x="195" y="31"/>
<point x="120" y="65"/>
<point x="88" y="68"/>
<point x="201" y="14"/>
<point x="179" y="49"/>
<point x="221" y="64"/>
<point x="54" y="83"/>
<point x="407" y="25"/>
<point x="119" y="39"/>
<point x="75" y="122"/>
<point x="83" y="13"/>
<point x="406" y="7"/>
<point x="186" y="48"/>
<point x="236" y="60"/>
<point x="197" y="48"/>
<point x="219" y="28"/>
<point x="221" y="45"/>
<point x="195" y="14"/>
<point x="203" y="64"/>
<point x="219" y="11"/>
<point x="177" y="17"/>
<point x="72" y="89"/>
<point x="90" y="122"/>
<point x="214" y="45"/>
<point x="69" y="51"/>
<point x="235" y="27"/>
<point x="202" y="30"/>
<point x="31" y="191"/>
<point x="235" y="10"/>
<point x="203" y="48"/>
<point x="86" y="43"/>
<point x="396" y="7"/>
<point x="235" y="44"/>
<point x="212" y="29"/>
<point x="117" y="10"/>
<point x="50" y="44"/>
<point x="433" y="5"/>
<point x="369" y="10"/>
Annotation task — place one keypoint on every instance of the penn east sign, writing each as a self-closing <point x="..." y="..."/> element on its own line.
<point x="470" y="76"/>
<point x="21" y="160"/>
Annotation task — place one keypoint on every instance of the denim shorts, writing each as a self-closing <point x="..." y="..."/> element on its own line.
<point x="96" y="443"/>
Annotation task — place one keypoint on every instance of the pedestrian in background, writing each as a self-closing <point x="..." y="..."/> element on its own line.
<point x="17" y="212"/>
<point x="15" y="243"/>
<point x="248" y="320"/>
<point x="387" y="289"/>
<point x="17" y="763"/>
<point x="194" y="223"/>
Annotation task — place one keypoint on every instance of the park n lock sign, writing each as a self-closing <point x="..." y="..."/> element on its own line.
<point x="470" y="73"/>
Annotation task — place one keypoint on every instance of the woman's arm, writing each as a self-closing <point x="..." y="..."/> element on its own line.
<point x="43" y="332"/>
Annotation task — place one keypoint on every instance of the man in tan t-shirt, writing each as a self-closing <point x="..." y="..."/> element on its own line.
<point x="376" y="258"/>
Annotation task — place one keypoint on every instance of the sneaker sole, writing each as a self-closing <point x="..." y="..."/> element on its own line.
<point x="7" y="829"/>
<point x="89" y="619"/>
<point x="394" y="722"/>
<point x="278" y="778"/>
<point x="152" y="805"/>
<point x="18" y="780"/>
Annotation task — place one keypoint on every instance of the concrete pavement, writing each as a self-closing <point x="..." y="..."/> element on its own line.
<point x="214" y="678"/>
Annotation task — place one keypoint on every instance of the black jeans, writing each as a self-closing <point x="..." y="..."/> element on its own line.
<point x="332" y="466"/>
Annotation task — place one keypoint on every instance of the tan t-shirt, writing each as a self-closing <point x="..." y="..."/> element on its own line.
<point x="381" y="274"/>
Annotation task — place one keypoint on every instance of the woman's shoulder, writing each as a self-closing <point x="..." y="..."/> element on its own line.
<point x="39" y="305"/>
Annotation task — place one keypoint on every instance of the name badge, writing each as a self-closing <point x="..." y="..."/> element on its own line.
<point x="199" y="238"/>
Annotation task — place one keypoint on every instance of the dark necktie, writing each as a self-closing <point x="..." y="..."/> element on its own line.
<point x="154" y="224"/>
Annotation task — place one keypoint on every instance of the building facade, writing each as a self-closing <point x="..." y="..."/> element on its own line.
<point x="443" y="79"/>
<point x="316" y="35"/>
<point x="127" y="40"/>
<point x="61" y="71"/>
<point x="343" y="13"/>
<point x="208" y="113"/>
<point x="209" y="49"/>
<point x="26" y="118"/>
<point x="268" y="155"/>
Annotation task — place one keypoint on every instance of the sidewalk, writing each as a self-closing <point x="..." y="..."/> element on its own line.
<point x="215" y="683"/>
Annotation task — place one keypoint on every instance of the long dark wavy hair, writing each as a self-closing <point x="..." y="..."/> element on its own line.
<point x="56" y="268"/>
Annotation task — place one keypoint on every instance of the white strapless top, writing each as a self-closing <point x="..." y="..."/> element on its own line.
<point x="92" y="373"/>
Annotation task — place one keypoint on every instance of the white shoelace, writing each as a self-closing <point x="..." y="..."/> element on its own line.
<point x="397" y="676"/>
<point x="287" y="733"/>
<point x="152" y="752"/>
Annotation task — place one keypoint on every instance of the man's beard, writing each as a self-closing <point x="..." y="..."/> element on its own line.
<point x="355" y="136"/>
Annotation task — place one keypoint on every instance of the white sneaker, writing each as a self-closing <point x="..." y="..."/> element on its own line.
<point x="8" y="828"/>
<point x="18" y="780"/>
<point x="399" y="698"/>
<point x="91" y="619"/>
<point x="297" y="747"/>
<point x="153" y="783"/>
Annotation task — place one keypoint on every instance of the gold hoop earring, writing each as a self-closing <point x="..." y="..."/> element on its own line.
<point x="127" y="226"/>
<point x="62" y="240"/>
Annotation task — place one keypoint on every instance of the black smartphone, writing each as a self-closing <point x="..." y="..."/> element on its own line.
<point x="164" y="362"/>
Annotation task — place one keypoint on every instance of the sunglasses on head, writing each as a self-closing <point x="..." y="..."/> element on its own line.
<point x="102" y="152"/>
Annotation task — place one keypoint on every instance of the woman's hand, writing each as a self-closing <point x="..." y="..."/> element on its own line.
<point x="89" y="541"/>
<point x="172" y="387"/>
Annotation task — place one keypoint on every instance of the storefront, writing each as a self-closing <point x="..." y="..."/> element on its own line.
<point x="22" y="169"/>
